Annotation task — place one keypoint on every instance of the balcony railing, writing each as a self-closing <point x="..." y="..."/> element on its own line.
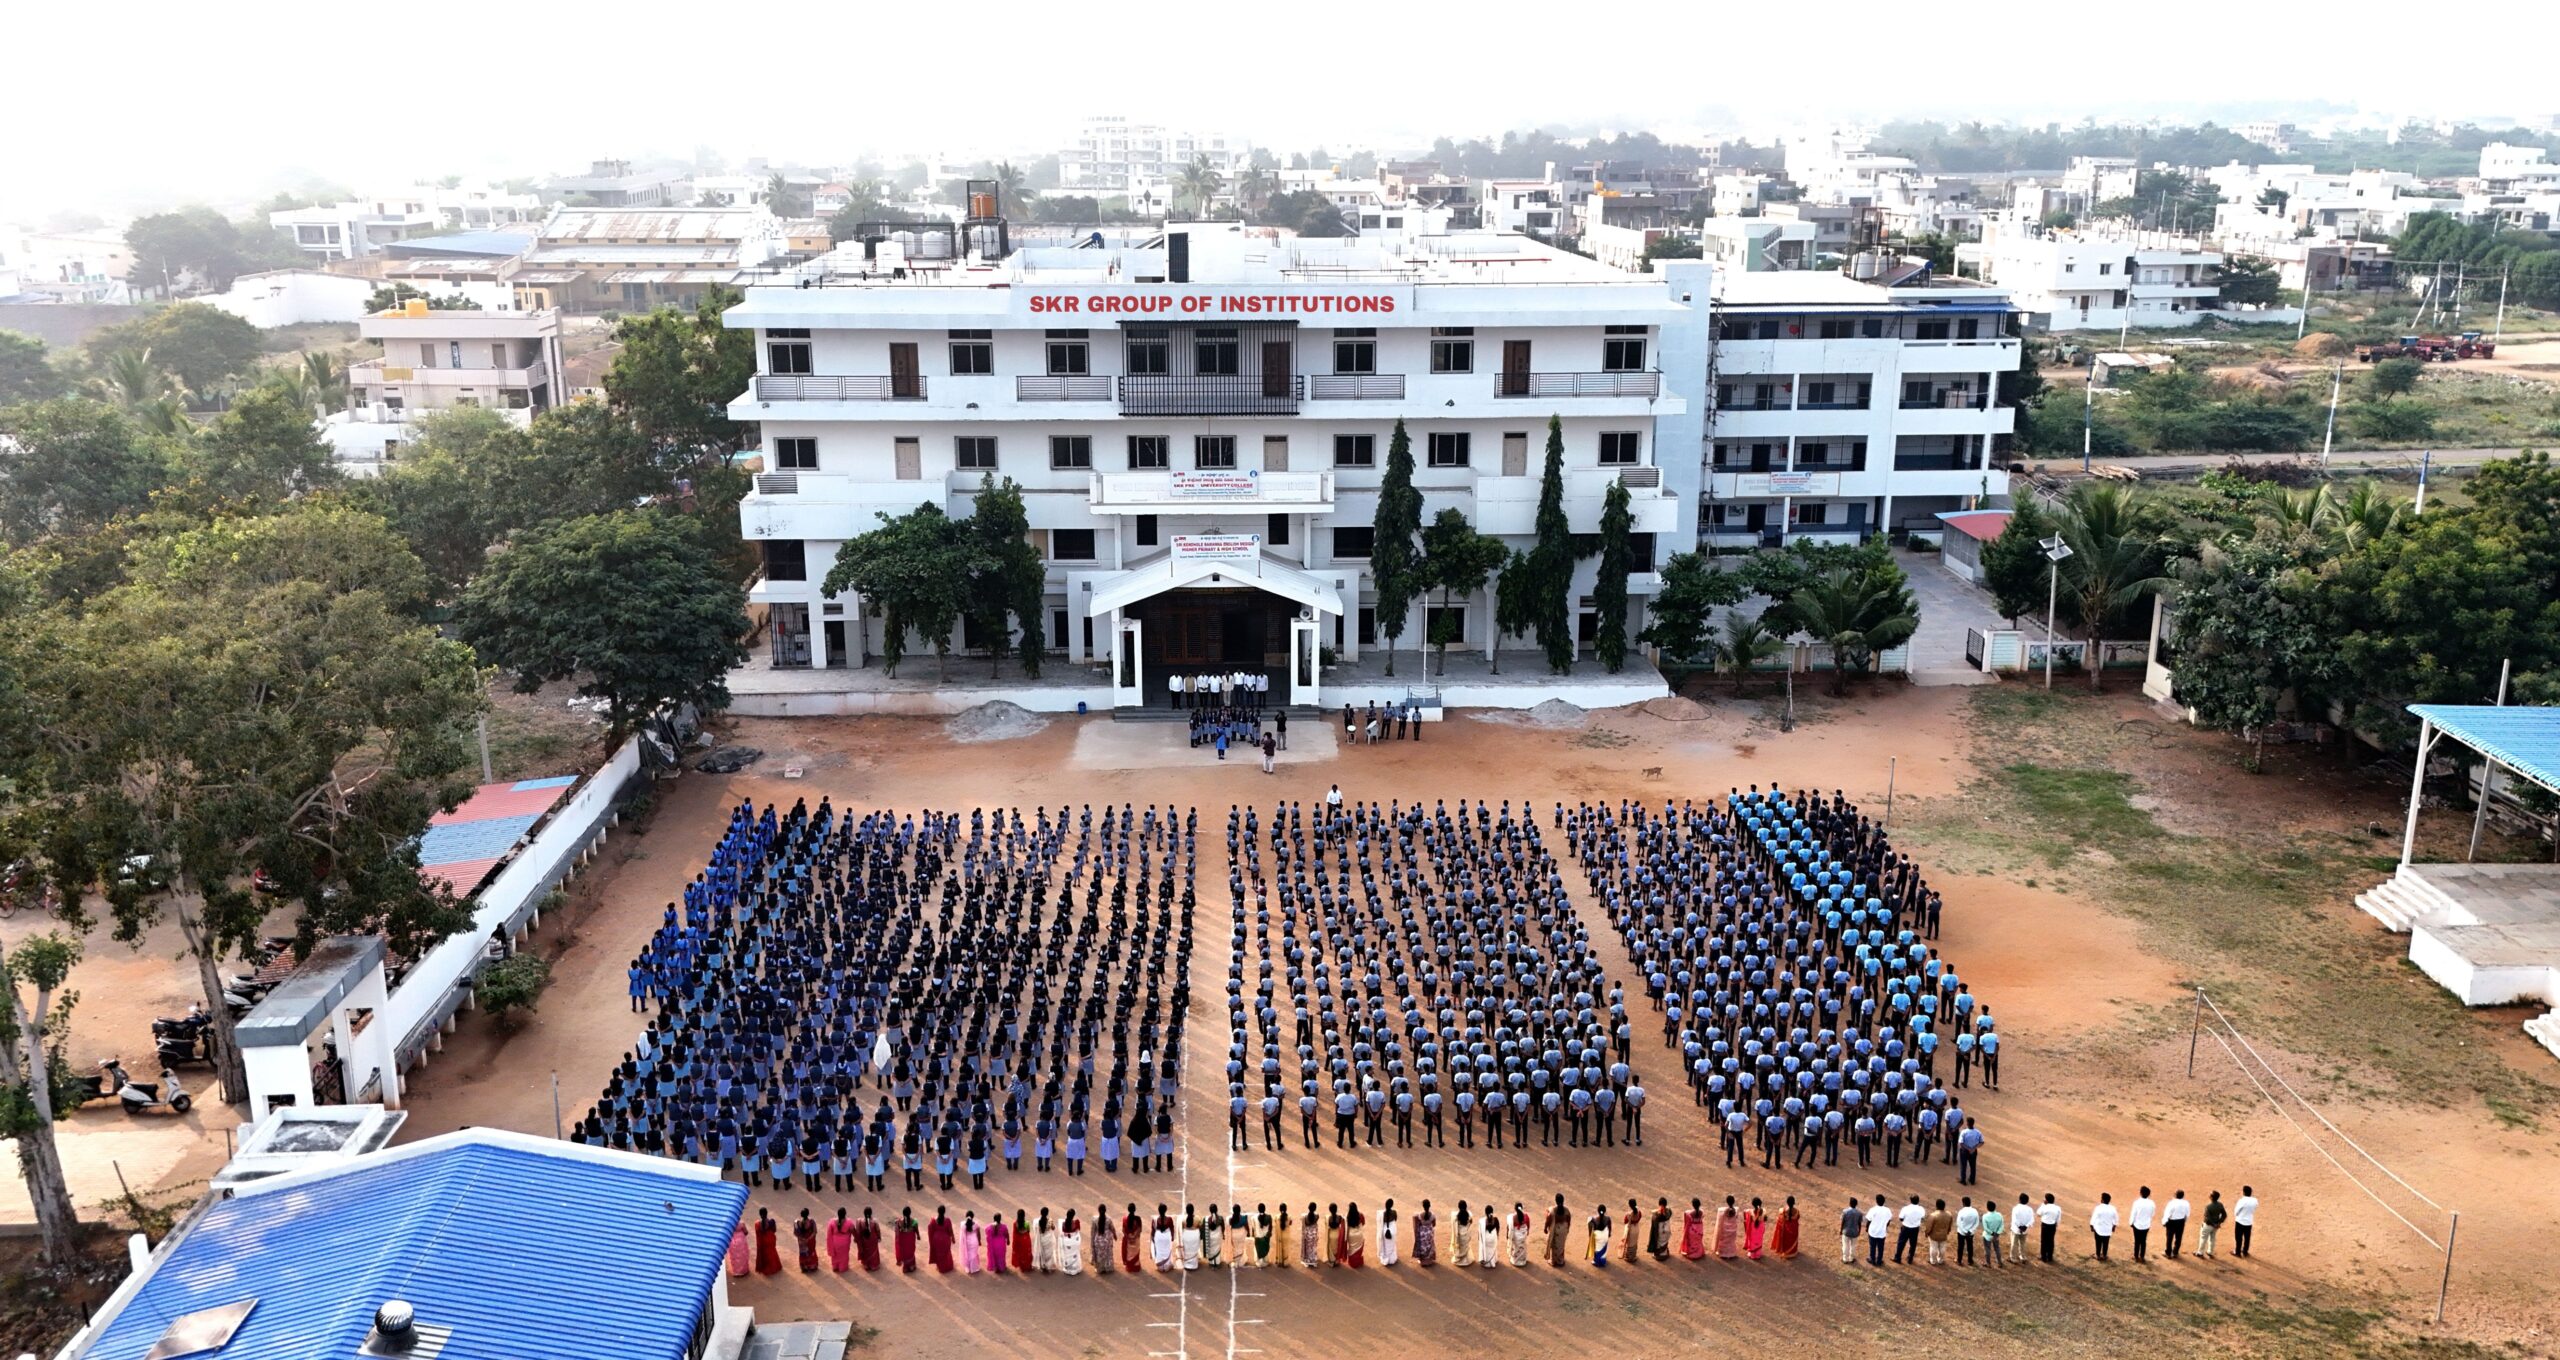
<point x="1946" y="399"/>
<point x="1577" y="385"/>
<point x="1937" y="462"/>
<point x="838" y="387"/>
<point x="1211" y="394"/>
<point x="1356" y="387"/>
<point x="1061" y="387"/>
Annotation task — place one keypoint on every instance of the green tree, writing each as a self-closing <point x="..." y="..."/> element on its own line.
<point x="1007" y="577"/>
<point x="785" y="199"/>
<point x="1552" y="560"/>
<point x="35" y="1091"/>
<point x="1198" y="183"/>
<point x="68" y="466"/>
<point x="674" y="377"/>
<point x="512" y="987"/>
<point x="25" y="373"/>
<point x="2116" y="560"/>
<point x="1858" y="613"/>
<point x="1693" y="588"/>
<point x="1457" y="561"/>
<point x="1746" y="643"/>
<point x="632" y="603"/>
<point x="2396" y="419"/>
<point x="256" y="695"/>
<point x="1395" y="566"/>
<point x="915" y="570"/>
<point x="1515" y="602"/>
<point x="2250" y="282"/>
<point x="2013" y="564"/>
<point x="263" y="448"/>
<point x="1609" y="587"/>
<point x="2252" y="627"/>
<point x="200" y="345"/>
<point x="391" y="296"/>
<point x="168" y="247"/>
<point x="2393" y="377"/>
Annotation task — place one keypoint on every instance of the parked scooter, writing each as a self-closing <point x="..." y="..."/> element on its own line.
<point x="138" y="1096"/>
<point x="182" y="1039"/>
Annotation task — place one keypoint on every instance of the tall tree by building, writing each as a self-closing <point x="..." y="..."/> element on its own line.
<point x="1551" y="561"/>
<point x="1609" y="589"/>
<point x="1395" y="566"/>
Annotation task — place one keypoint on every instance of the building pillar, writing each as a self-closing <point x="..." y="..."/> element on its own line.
<point x="1118" y="652"/>
<point x="1492" y="625"/>
<point x="817" y="633"/>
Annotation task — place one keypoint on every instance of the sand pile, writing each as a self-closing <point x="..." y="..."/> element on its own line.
<point x="1552" y="713"/>
<point x="994" y="720"/>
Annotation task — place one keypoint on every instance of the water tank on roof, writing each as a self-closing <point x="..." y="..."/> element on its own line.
<point x="1867" y="265"/>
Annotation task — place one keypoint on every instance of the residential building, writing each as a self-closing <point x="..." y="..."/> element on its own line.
<point x="394" y="1252"/>
<point x="2506" y="168"/>
<point x="1747" y="244"/>
<point x="86" y="266"/>
<point x="1112" y="154"/>
<point x="2278" y="137"/>
<point x="477" y="207"/>
<point x="2093" y="180"/>
<point x="1837" y="168"/>
<point x="1525" y="207"/>
<point x="589" y="260"/>
<point x="1199" y="428"/>
<point x="2069" y="280"/>
<point x="614" y="184"/>
<point x="1843" y="407"/>
<point x="2322" y="262"/>
<point x="1743" y="195"/>
<point x="357" y="227"/>
<point x="1839" y="227"/>
<point x="437" y="360"/>
<point x="1909" y="204"/>
<point x="1618" y="230"/>
<point x="294" y="297"/>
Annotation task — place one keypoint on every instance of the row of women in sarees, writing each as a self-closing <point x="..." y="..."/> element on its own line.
<point x="1340" y="1237"/>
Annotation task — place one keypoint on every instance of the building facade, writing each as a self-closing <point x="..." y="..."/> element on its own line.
<point x="433" y="361"/>
<point x="2066" y="280"/>
<point x="1841" y="408"/>
<point x="1200" y="429"/>
<point x="1113" y="155"/>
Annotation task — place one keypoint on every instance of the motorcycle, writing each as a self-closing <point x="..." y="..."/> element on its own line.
<point x="181" y="1039"/>
<point x="138" y="1096"/>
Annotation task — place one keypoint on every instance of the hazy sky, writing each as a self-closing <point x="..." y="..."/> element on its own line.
<point x="130" y="105"/>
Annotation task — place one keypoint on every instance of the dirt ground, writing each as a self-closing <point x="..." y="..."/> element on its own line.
<point x="2091" y="857"/>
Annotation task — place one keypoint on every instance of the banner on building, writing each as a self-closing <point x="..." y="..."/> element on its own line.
<point x="1227" y="484"/>
<point x="1786" y="484"/>
<point x="1217" y="547"/>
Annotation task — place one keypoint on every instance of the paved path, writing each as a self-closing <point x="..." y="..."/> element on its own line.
<point x="1947" y="608"/>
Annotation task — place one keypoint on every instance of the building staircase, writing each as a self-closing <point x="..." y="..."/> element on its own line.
<point x="2544" y="1029"/>
<point x="2402" y="901"/>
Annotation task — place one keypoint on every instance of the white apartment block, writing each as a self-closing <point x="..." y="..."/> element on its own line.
<point x="1842" y="408"/>
<point x="1111" y="155"/>
<point x="2092" y="180"/>
<point x="357" y="227"/>
<point x="1523" y="207"/>
<point x="434" y="361"/>
<point x="1749" y="244"/>
<point x="2068" y="281"/>
<point x="2526" y="169"/>
<point x="70" y="266"/>
<point x="1200" y="429"/>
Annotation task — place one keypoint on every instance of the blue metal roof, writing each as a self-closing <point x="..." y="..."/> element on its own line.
<point x="2520" y="737"/>
<point x="484" y="243"/>
<point x="524" y="1253"/>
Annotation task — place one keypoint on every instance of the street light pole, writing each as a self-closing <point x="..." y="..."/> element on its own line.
<point x="2055" y="550"/>
<point x="2088" y="410"/>
<point x="2337" y="375"/>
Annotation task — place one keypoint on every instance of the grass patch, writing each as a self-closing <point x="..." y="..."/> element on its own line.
<point x="2080" y="807"/>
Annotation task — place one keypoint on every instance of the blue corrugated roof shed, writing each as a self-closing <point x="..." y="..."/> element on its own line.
<point x="525" y="1247"/>
<point x="2522" y="737"/>
<point x="489" y="244"/>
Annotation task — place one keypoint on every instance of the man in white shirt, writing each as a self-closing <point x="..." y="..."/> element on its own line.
<point x="2019" y="1218"/>
<point x="1968" y="1221"/>
<point x="2244" y="1216"/>
<point x="2048" y="1220"/>
<point x="2102" y="1224"/>
<point x="1879" y="1222"/>
<point x="2173" y="1223"/>
<point x="1173" y="686"/>
<point x="2140" y="1221"/>
<point x="1906" y="1245"/>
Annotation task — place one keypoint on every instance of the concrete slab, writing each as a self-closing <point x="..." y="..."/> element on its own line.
<point x="1167" y="745"/>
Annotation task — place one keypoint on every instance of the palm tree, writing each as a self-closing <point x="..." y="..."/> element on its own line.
<point x="163" y="415"/>
<point x="133" y="381"/>
<point x="1254" y="189"/>
<point x="296" y="384"/>
<point x="2313" y="509"/>
<point x="1009" y="183"/>
<point x="1199" y="182"/>
<point x="2366" y="514"/>
<point x="2115" y="559"/>
<point x="328" y="378"/>
<point x="1746" y="643"/>
<point x="1857" y="612"/>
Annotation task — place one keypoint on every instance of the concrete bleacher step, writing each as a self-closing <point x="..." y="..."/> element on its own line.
<point x="2390" y="903"/>
<point x="2544" y="1029"/>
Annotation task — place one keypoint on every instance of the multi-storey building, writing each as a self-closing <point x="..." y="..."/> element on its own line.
<point x="1200" y="428"/>
<point x="1112" y="155"/>
<point x="2066" y="280"/>
<point x="432" y="361"/>
<point x="1842" y="408"/>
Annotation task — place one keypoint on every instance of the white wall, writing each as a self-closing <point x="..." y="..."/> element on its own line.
<point x="294" y="298"/>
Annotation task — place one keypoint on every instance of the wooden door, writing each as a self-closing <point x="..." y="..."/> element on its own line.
<point x="1515" y="368"/>
<point x="910" y="458"/>
<point x="905" y="382"/>
<point x="1515" y="454"/>
<point x="1275" y="453"/>
<point x="1278" y="370"/>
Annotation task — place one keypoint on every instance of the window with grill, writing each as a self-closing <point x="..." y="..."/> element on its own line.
<point x="1622" y="349"/>
<point x="1930" y="330"/>
<point x="1071" y="545"/>
<point x="787" y="350"/>
<point x="972" y="352"/>
<point x="1453" y="349"/>
<point x="1070" y="356"/>
<point x="1150" y="351"/>
<point x="786" y="559"/>
<point x="1835" y="328"/>
<point x="1213" y="451"/>
<point x="1355" y="350"/>
<point x="1355" y="450"/>
<point x="1215" y="353"/>
<point x="795" y="455"/>
<point x="1449" y="449"/>
<point x="1149" y="453"/>
<point x="974" y="452"/>
<point x="1621" y="448"/>
<point x="1353" y="541"/>
<point x="1070" y="451"/>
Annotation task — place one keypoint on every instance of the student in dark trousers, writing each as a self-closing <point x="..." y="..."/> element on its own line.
<point x="2048" y="1222"/>
<point x="1280" y="725"/>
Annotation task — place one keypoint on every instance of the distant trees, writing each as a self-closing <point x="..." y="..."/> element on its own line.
<point x="26" y="374"/>
<point x="199" y="345"/>
<point x="197" y="242"/>
<point x="2250" y="282"/>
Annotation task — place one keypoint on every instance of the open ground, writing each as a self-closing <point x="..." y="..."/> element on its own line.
<point x="2098" y="861"/>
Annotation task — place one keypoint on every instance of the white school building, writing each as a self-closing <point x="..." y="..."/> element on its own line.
<point x="1199" y="425"/>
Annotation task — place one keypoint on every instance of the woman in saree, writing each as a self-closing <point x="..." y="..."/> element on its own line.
<point x="1462" y="1237"/>
<point x="1190" y="1237"/>
<point x="1160" y="1240"/>
<point x="1133" y="1240"/>
<point x="1426" y="1237"/>
<point x="999" y="1244"/>
<point x="1213" y="1239"/>
<point x="1106" y="1242"/>
<point x="1071" y="1245"/>
<point x="1657" y="1242"/>
<point x="1755" y="1230"/>
<point x="1693" y="1232"/>
<point x="1022" y="1241"/>
<point x="1044" y="1244"/>
<point x="1239" y="1238"/>
<point x="1728" y="1231"/>
<point x="1519" y="1234"/>
<point x="1355" y="1237"/>
<point x="1782" y="1237"/>
<point x="1262" y="1234"/>
<point x="1489" y="1239"/>
<point x="973" y="1244"/>
<point x="1284" y="1239"/>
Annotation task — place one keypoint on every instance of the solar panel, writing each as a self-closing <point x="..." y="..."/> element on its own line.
<point x="207" y="1329"/>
